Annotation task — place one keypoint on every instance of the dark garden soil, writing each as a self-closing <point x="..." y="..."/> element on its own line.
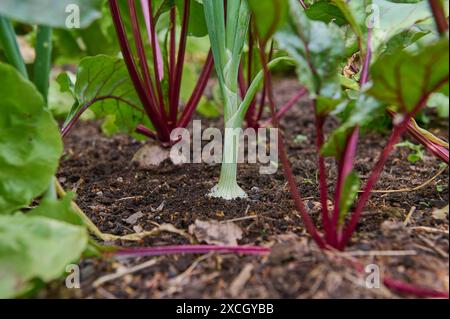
<point x="110" y="189"/>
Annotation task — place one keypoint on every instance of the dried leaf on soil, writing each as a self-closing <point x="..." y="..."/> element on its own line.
<point x="215" y="233"/>
<point x="133" y="219"/>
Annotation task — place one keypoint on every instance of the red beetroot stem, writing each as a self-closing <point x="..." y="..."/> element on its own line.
<point x="346" y="162"/>
<point x="173" y="47"/>
<point x="292" y="183"/>
<point x="287" y="169"/>
<point x="189" y="249"/>
<point x="302" y="2"/>
<point x="398" y="286"/>
<point x="405" y="288"/>
<point x="175" y="94"/>
<point x="198" y="92"/>
<point x="141" y="129"/>
<point x="153" y="114"/>
<point x="262" y="102"/>
<point x="436" y="149"/>
<point x="155" y="59"/>
<point x="323" y="188"/>
<point x="68" y="126"/>
<point x="439" y="16"/>
<point x="399" y="130"/>
<point x="140" y="51"/>
<point x="289" y="105"/>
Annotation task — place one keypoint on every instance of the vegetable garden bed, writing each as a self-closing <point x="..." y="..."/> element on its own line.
<point x="224" y="148"/>
<point x="110" y="190"/>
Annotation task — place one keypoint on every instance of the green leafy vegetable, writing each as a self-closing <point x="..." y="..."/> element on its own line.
<point x="61" y="210"/>
<point x="318" y="50"/>
<point x="403" y="79"/>
<point x="362" y="112"/>
<point x="30" y="144"/>
<point x="34" y="247"/>
<point x="103" y="85"/>
<point x="268" y="15"/>
<point x="349" y="194"/>
<point x="327" y="12"/>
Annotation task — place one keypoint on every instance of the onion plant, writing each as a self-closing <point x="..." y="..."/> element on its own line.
<point x="227" y="31"/>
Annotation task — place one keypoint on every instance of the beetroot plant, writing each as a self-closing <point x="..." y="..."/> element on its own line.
<point x="399" y="82"/>
<point x="154" y="108"/>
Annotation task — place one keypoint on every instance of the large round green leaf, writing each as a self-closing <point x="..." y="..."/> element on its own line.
<point x="30" y="143"/>
<point x="35" y="247"/>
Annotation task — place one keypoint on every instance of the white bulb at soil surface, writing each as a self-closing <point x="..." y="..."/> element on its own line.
<point x="227" y="192"/>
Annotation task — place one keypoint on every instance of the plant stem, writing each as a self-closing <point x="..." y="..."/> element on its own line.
<point x="345" y="167"/>
<point x="228" y="188"/>
<point x="262" y="101"/>
<point x="156" y="54"/>
<point x="399" y="130"/>
<point x="395" y="285"/>
<point x="302" y="2"/>
<point x="148" y="16"/>
<point x="189" y="249"/>
<point x="172" y="49"/>
<point x="439" y="16"/>
<point x="289" y="105"/>
<point x="198" y="92"/>
<point x="323" y="188"/>
<point x="432" y="143"/>
<point x="149" y="106"/>
<point x="11" y="47"/>
<point x="175" y="101"/>
<point x="405" y="288"/>
<point x="287" y="169"/>
<point x="51" y="192"/>
<point x="42" y="65"/>
<point x="140" y="50"/>
<point x="346" y="162"/>
<point x="395" y="136"/>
